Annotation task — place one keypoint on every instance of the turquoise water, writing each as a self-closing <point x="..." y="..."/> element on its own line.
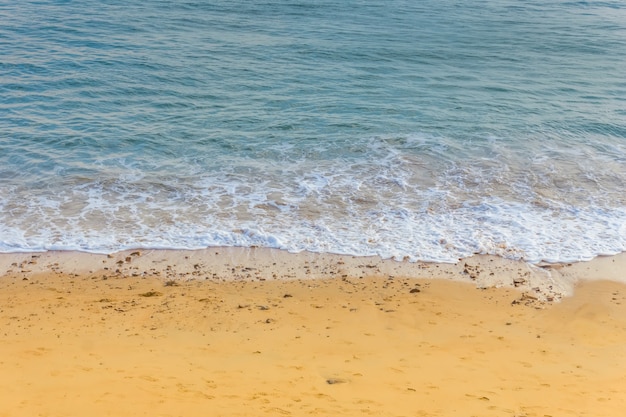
<point x="430" y="129"/>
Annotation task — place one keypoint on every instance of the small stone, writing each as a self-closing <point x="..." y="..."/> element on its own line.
<point x="415" y="290"/>
<point x="333" y="381"/>
<point x="518" y="281"/>
<point x="151" y="294"/>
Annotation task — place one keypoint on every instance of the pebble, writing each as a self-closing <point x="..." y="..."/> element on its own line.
<point x="333" y="381"/>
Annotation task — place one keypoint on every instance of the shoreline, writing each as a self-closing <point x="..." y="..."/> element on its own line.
<point x="542" y="282"/>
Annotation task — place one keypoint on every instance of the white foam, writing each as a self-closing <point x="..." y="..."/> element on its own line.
<point x="401" y="199"/>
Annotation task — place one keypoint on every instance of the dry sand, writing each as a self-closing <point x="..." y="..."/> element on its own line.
<point x="197" y="333"/>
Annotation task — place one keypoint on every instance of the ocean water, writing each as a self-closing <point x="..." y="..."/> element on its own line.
<point x="423" y="130"/>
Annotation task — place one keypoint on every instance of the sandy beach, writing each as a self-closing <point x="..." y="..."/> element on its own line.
<point x="231" y="332"/>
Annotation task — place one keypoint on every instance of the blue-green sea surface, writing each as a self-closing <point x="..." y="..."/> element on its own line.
<point x="428" y="130"/>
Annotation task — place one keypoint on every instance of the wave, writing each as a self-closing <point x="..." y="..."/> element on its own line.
<point x="414" y="197"/>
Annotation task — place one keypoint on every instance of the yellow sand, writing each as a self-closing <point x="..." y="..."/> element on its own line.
<point x="97" y="345"/>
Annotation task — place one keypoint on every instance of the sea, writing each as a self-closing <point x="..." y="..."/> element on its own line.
<point x="423" y="130"/>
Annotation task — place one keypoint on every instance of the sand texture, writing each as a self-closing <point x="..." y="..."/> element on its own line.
<point x="107" y="343"/>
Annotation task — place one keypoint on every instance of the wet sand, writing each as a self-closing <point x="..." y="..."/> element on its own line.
<point x="240" y="333"/>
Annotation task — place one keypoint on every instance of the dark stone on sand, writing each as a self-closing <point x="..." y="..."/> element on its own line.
<point x="333" y="381"/>
<point x="151" y="294"/>
<point x="415" y="290"/>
